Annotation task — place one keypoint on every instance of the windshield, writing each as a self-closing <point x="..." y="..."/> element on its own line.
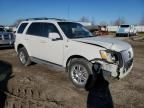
<point x="123" y="26"/>
<point x="74" y="30"/>
<point x="2" y="30"/>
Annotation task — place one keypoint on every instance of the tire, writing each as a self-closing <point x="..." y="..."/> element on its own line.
<point x="80" y="70"/>
<point x="24" y="57"/>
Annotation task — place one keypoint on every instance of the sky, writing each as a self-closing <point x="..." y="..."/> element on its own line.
<point x="131" y="11"/>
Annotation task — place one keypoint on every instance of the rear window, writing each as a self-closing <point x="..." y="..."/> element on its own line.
<point x="22" y="27"/>
<point x="125" y="26"/>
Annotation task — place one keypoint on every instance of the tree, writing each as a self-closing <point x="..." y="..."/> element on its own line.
<point x="111" y="23"/>
<point x="16" y="23"/>
<point x="103" y="23"/>
<point x="84" y="19"/>
<point x="119" y="21"/>
<point x="93" y="21"/>
<point x="142" y="21"/>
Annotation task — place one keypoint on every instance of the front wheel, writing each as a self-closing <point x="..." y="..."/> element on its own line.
<point x="79" y="71"/>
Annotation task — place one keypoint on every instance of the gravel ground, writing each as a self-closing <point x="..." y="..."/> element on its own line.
<point x="42" y="86"/>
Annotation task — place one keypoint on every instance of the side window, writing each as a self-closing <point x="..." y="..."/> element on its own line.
<point x="34" y="29"/>
<point x="22" y="27"/>
<point x="48" y="28"/>
<point x="41" y="29"/>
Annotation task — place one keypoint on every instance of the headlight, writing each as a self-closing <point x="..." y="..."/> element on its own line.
<point x="108" y="56"/>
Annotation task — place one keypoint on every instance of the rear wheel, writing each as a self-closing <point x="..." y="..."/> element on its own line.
<point x="79" y="71"/>
<point x="24" y="57"/>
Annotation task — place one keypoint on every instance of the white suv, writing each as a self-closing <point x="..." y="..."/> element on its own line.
<point x="70" y="45"/>
<point x="128" y="30"/>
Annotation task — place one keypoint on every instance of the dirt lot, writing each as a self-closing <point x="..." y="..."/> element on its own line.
<point x="41" y="86"/>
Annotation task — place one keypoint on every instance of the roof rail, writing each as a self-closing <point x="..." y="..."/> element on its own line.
<point x="57" y="19"/>
<point x="44" y="18"/>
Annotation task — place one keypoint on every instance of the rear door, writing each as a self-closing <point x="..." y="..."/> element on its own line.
<point x="21" y="38"/>
<point x="33" y="36"/>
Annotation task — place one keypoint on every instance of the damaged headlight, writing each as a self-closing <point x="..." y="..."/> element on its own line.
<point x="108" y="56"/>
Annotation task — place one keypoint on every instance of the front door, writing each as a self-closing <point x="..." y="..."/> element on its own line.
<point x="41" y="46"/>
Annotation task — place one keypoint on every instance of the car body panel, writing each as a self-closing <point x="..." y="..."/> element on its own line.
<point x="60" y="51"/>
<point x="6" y="39"/>
<point x="74" y="48"/>
<point x="108" y="43"/>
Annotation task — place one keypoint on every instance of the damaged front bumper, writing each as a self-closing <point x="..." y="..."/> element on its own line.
<point x="117" y="70"/>
<point x="114" y="71"/>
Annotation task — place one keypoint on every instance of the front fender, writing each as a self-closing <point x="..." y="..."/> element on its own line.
<point x="86" y="51"/>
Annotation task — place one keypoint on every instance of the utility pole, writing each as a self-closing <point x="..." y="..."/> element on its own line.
<point x="68" y="13"/>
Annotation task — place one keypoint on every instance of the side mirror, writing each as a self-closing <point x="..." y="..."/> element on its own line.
<point x="54" y="36"/>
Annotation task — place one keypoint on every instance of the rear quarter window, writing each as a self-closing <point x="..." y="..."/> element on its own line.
<point x="22" y="27"/>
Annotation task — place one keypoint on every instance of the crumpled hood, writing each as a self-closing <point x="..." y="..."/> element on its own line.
<point x="108" y="43"/>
